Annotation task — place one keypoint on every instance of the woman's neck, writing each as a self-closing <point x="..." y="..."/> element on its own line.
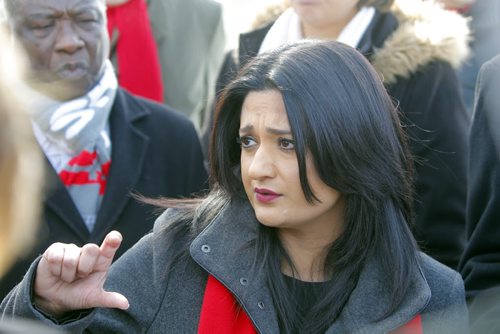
<point x="311" y="32"/>
<point x="307" y="253"/>
<point x="325" y="32"/>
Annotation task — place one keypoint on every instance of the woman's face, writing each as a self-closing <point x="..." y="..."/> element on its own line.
<point x="324" y="13"/>
<point x="270" y="172"/>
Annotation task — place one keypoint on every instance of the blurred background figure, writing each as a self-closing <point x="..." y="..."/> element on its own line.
<point x="133" y="48"/>
<point x="480" y="265"/>
<point x="484" y="20"/>
<point x="189" y="46"/>
<point x="416" y="46"/>
<point x="191" y="42"/>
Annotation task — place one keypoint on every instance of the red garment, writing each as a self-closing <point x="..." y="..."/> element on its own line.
<point x="138" y="61"/>
<point x="222" y="314"/>
<point x="414" y="326"/>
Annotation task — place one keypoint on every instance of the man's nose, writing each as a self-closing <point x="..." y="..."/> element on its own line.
<point x="68" y="39"/>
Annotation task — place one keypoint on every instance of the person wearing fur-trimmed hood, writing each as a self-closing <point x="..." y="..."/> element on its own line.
<point x="415" y="47"/>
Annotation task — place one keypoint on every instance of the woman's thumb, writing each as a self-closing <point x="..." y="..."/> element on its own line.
<point x="114" y="300"/>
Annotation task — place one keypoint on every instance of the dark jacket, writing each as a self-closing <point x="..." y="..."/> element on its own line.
<point x="161" y="302"/>
<point x="155" y="152"/>
<point x="417" y="70"/>
<point x="480" y="264"/>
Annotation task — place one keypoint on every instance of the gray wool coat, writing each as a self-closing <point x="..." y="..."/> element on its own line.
<point x="171" y="303"/>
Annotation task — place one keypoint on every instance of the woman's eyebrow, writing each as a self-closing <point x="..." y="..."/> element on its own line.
<point x="278" y="131"/>
<point x="248" y="128"/>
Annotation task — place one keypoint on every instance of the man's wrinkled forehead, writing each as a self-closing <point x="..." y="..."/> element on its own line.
<point x="10" y="7"/>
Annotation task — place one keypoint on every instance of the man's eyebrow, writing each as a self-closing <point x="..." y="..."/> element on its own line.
<point x="86" y="9"/>
<point x="43" y="15"/>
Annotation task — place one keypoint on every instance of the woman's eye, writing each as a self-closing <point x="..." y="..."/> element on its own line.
<point x="245" y="141"/>
<point x="287" y="144"/>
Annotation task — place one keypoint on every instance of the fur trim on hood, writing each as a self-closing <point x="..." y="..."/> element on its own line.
<point x="426" y="33"/>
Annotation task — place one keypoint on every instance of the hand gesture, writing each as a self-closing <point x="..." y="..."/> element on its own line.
<point x="71" y="278"/>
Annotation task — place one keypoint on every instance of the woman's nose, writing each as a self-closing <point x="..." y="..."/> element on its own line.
<point x="262" y="164"/>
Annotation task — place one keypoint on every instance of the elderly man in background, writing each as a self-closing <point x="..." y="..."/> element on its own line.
<point x="101" y="143"/>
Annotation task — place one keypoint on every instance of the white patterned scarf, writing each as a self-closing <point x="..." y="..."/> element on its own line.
<point x="78" y="127"/>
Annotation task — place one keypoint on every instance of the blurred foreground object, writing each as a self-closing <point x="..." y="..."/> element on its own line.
<point x="20" y="161"/>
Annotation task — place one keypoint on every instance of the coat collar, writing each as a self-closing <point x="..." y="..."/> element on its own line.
<point x="224" y="249"/>
<point x="129" y="145"/>
<point x="127" y="160"/>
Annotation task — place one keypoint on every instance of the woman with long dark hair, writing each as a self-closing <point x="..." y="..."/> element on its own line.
<point x="305" y="229"/>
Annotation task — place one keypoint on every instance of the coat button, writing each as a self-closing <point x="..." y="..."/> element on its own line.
<point x="205" y="249"/>
<point x="243" y="281"/>
<point x="260" y="305"/>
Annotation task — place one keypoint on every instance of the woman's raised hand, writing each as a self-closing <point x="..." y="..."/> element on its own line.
<point x="71" y="278"/>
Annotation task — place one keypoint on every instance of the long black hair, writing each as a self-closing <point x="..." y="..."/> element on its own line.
<point x="340" y="114"/>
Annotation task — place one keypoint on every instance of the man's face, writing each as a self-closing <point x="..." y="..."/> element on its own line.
<point x="66" y="41"/>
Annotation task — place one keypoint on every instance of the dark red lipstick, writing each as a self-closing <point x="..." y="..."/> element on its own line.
<point x="265" y="195"/>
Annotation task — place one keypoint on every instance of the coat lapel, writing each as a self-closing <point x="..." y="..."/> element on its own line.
<point x="370" y="299"/>
<point x="129" y="147"/>
<point x="59" y="201"/>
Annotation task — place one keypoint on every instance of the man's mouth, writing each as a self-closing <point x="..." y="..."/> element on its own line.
<point x="72" y="70"/>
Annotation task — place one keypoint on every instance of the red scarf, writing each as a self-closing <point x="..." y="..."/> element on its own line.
<point x="222" y="314"/>
<point x="139" y="68"/>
